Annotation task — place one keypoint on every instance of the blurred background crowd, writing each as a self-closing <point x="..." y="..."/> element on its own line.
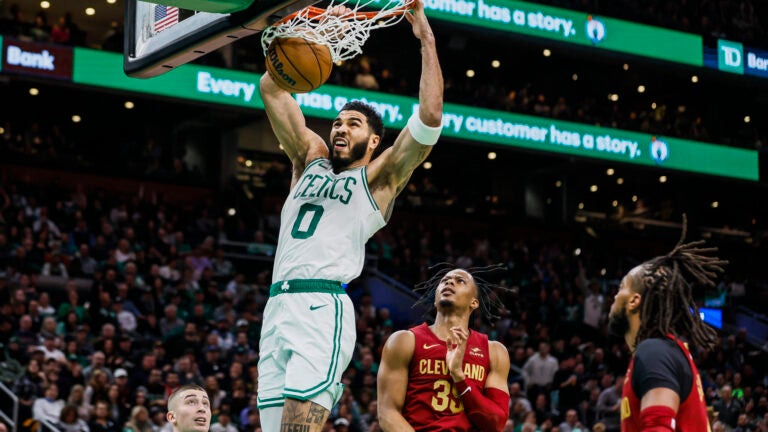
<point x="126" y="271"/>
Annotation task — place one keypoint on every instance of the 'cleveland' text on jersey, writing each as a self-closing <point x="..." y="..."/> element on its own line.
<point x="431" y="401"/>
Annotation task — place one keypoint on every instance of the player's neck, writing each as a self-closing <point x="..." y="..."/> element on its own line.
<point x="354" y="165"/>
<point x="338" y="168"/>
<point x="631" y="336"/>
<point x="444" y="322"/>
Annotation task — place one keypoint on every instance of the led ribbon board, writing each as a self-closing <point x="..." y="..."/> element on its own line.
<point x="571" y="27"/>
<point x="237" y="88"/>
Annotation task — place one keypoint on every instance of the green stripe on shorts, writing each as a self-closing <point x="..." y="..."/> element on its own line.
<point x="306" y="286"/>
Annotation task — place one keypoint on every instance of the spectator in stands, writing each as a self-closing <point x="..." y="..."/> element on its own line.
<point x="28" y="387"/>
<point x="97" y="388"/>
<point x="50" y="348"/>
<point x="139" y="420"/>
<point x="364" y="78"/>
<point x="571" y="422"/>
<point x="170" y="324"/>
<point x="101" y="421"/>
<point x="72" y="303"/>
<point x="77" y="399"/>
<point x="539" y="371"/>
<point x="567" y="384"/>
<point x="222" y="267"/>
<point x="609" y="405"/>
<point x="224" y="423"/>
<point x="119" y="407"/>
<point x="727" y="407"/>
<point x="594" y="303"/>
<point x="98" y="363"/>
<point x="55" y="267"/>
<point x="25" y="334"/>
<point x="48" y="408"/>
<point x="124" y="253"/>
<point x="70" y="422"/>
<point x="44" y="307"/>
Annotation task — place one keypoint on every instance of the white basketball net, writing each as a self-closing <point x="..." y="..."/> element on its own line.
<point x="343" y="35"/>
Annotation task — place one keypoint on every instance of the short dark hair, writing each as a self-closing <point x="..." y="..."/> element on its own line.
<point x="374" y="119"/>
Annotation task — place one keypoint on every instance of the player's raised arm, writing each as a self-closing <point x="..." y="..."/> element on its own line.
<point x="301" y="144"/>
<point x="390" y="172"/>
<point x="392" y="381"/>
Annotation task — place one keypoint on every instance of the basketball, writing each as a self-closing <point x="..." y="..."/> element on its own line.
<point x="298" y="65"/>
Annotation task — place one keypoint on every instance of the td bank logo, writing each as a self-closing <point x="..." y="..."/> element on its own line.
<point x="730" y="56"/>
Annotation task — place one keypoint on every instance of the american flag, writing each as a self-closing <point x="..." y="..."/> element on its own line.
<point x="165" y="17"/>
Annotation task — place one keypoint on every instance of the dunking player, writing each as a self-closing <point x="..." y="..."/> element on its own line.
<point x="336" y="203"/>
<point x="655" y="313"/>
<point x="189" y="409"/>
<point x="445" y="377"/>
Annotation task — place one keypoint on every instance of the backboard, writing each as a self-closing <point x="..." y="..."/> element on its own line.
<point x="159" y="38"/>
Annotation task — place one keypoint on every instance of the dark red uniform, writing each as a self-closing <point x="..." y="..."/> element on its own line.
<point x="431" y="402"/>
<point x="669" y="365"/>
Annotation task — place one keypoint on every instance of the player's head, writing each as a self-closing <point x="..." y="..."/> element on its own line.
<point x="355" y="134"/>
<point x="189" y="409"/>
<point x="658" y="293"/>
<point x="455" y="290"/>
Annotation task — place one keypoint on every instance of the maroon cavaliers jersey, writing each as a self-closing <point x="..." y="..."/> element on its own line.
<point x="431" y="401"/>
<point x="692" y="413"/>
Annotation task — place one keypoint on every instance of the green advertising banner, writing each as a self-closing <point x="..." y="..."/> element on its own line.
<point x="543" y="134"/>
<point x="204" y="84"/>
<point x="571" y="27"/>
<point x="221" y="86"/>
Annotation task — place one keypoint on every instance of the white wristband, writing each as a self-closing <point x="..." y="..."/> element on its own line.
<point x="423" y="134"/>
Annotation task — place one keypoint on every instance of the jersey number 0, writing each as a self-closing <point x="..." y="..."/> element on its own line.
<point x="306" y="221"/>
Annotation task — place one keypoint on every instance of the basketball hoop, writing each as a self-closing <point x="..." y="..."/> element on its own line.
<point x="344" y="35"/>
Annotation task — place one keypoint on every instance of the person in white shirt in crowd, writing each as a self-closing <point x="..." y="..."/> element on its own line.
<point x="539" y="371"/>
<point x="51" y="350"/>
<point x="48" y="408"/>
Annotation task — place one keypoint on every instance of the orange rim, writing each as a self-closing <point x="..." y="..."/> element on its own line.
<point x="313" y="12"/>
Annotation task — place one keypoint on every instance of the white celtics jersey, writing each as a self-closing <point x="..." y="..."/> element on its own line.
<point x="325" y="224"/>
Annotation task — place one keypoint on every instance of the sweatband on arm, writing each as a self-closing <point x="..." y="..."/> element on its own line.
<point x="423" y="134"/>
<point x="487" y="410"/>
<point x="658" y="418"/>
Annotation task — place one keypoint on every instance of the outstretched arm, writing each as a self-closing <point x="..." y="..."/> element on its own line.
<point x="393" y="381"/>
<point x="389" y="173"/>
<point x="301" y="144"/>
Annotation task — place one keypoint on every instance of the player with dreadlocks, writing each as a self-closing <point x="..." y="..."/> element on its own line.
<point x="655" y="313"/>
<point x="445" y="376"/>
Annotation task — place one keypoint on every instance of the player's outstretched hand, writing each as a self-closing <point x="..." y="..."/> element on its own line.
<point x="418" y="20"/>
<point x="339" y="11"/>
<point x="454" y="357"/>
